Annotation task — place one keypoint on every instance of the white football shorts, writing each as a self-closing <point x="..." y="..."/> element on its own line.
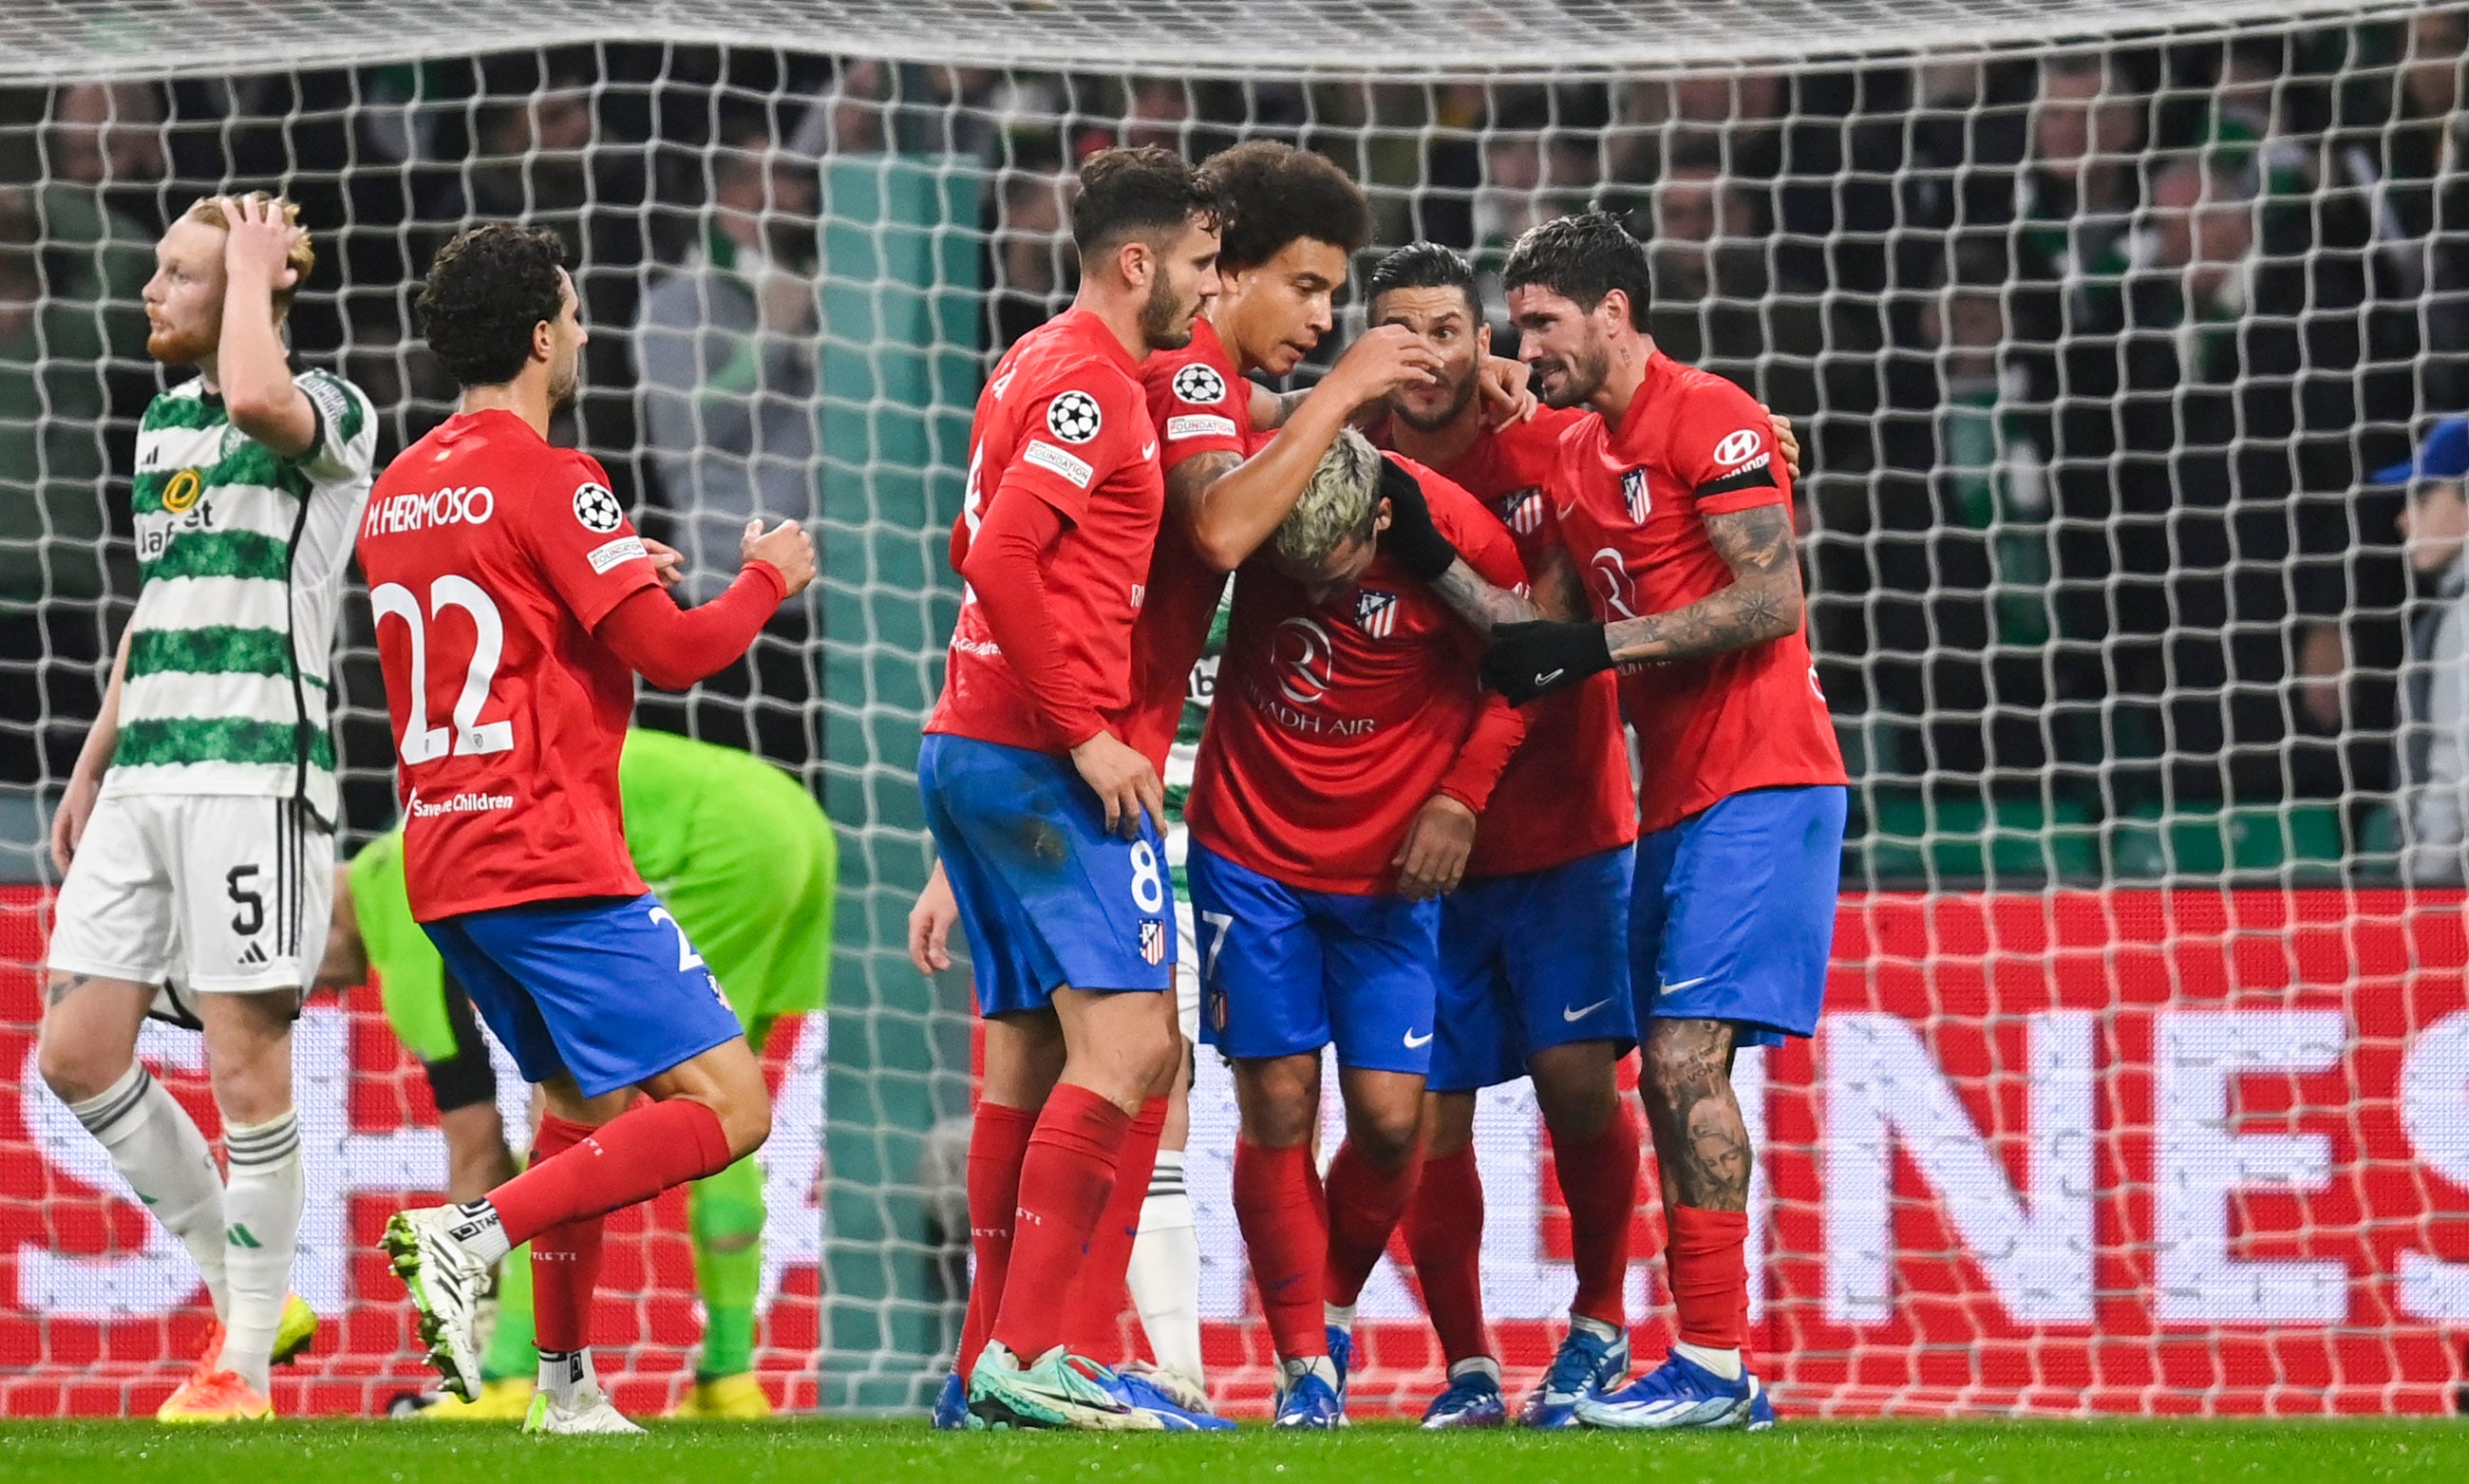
<point x="196" y="893"/>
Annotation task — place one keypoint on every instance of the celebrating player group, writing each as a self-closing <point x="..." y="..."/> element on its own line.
<point x="1409" y="830"/>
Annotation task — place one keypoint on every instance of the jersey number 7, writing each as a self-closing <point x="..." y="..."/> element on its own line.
<point x="421" y="742"/>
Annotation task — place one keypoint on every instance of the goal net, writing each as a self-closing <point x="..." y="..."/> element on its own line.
<point x="2144" y="1084"/>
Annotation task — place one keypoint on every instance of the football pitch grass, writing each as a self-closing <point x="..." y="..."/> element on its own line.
<point x="881" y="1452"/>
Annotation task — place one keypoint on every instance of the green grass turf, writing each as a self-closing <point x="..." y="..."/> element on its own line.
<point x="878" y="1453"/>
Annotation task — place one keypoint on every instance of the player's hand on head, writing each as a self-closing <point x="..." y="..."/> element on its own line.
<point x="668" y="568"/>
<point x="787" y="547"/>
<point x="930" y="923"/>
<point x="1123" y="781"/>
<point x="1786" y="442"/>
<point x="1528" y="660"/>
<point x="1433" y="858"/>
<point x="69" y="819"/>
<point x="257" y="243"/>
<point x="1411" y="538"/>
<point x="1382" y="359"/>
<point x="1508" y="390"/>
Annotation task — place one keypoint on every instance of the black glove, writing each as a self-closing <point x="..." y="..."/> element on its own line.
<point x="1528" y="660"/>
<point x="1411" y="540"/>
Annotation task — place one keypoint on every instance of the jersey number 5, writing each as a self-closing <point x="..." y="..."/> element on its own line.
<point x="421" y="742"/>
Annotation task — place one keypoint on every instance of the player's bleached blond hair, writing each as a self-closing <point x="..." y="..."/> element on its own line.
<point x="208" y="211"/>
<point x="1340" y="502"/>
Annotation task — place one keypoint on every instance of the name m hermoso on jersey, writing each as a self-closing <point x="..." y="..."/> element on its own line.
<point x="463" y="505"/>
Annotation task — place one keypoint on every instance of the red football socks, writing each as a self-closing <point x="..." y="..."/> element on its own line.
<point x="1599" y="1181"/>
<point x="566" y="1258"/>
<point x="1444" y="1237"/>
<point x="1094" y="1312"/>
<point x="631" y="1158"/>
<point x="1064" y="1183"/>
<point x="1365" y="1202"/>
<point x="998" y="1142"/>
<point x="1279" y="1205"/>
<point x="1708" y="1262"/>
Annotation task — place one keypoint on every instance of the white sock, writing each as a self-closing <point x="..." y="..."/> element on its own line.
<point x="1298" y="1367"/>
<point x="1476" y="1366"/>
<point x="568" y="1377"/>
<point x="1579" y="1324"/>
<point x="158" y="1150"/>
<point x="1724" y="1363"/>
<point x="262" y="1213"/>
<point x="481" y="1231"/>
<point x="1166" y="1272"/>
<point x="1338" y="1316"/>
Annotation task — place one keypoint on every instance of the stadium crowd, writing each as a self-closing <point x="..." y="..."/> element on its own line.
<point x="2096" y="355"/>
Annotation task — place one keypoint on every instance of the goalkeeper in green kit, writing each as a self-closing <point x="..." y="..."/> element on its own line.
<point x="743" y="856"/>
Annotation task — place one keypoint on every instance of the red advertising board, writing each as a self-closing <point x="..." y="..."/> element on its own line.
<point x="2081" y="1152"/>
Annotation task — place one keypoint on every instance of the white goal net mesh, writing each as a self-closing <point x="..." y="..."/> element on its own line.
<point x="2145" y="1079"/>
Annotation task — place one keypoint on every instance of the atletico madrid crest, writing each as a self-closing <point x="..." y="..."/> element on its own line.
<point x="1376" y="613"/>
<point x="1522" y="511"/>
<point x="1633" y="490"/>
<point x="1152" y="940"/>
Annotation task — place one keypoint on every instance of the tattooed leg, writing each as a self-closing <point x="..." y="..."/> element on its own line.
<point x="1701" y="1143"/>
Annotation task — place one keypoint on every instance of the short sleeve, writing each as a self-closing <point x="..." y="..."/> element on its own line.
<point x="586" y="549"/>
<point x="1073" y="439"/>
<point x="1483" y="541"/>
<point x="1723" y="449"/>
<point x="1197" y="406"/>
<point x="344" y="449"/>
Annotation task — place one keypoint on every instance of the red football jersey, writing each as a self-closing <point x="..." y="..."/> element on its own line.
<point x="1336" y="722"/>
<point x="490" y="554"/>
<point x="1200" y="403"/>
<point x="1062" y="420"/>
<point x="1630" y="504"/>
<point x="1567" y="794"/>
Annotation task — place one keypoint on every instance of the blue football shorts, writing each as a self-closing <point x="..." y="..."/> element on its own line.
<point x="1732" y="917"/>
<point x="1048" y="897"/>
<point x="606" y="989"/>
<point x="1532" y="961"/>
<point x="1284" y="970"/>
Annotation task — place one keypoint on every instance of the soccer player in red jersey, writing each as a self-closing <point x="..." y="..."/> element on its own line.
<point x="1533" y="945"/>
<point x="515" y="604"/>
<point x="1534" y="959"/>
<point x="1335" y="798"/>
<point x="1044" y="820"/>
<point x="1678" y="495"/>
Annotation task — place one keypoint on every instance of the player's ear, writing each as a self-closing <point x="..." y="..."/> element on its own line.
<point x="1613" y="307"/>
<point x="1481" y="339"/>
<point x="1137" y="261"/>
<point x="542" y="340"/>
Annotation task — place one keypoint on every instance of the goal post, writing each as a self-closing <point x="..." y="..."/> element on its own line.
<point x="2140" y="1087"/>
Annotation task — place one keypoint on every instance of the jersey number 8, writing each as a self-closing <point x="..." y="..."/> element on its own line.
<point x="421" y="742"/>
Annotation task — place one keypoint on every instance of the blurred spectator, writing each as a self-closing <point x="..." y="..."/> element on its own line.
<point x="1719" y="305"/>
<point x="2402" y="146"/>
<point x="1958" y="592"/>
<point x="726" y="351"/>
<point x="1029" y="249"/>
<point x="99" y="211"/>
<point x="55" y="556"/>
<point x="2431" y="763"/>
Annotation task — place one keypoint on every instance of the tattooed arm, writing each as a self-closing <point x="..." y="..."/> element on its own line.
<point x="1556" y="594"/>
<point x="1762" y="603"/>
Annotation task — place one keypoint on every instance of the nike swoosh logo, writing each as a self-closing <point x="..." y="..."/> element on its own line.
<point x="1566" y="511"/>
<point x="1543" y="681"/>
<point x="1685" y="984"/>
<point x="1567" y="1014"/>
<point x="1414" y="1041"/>
<point x="1149" y="452"/>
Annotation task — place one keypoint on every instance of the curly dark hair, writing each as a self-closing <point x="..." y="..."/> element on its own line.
<point x="1583" y="259"/>
<point x="1280" y="194"/>
<point x="485" y="292"/>
<point x="1140" y="192"/>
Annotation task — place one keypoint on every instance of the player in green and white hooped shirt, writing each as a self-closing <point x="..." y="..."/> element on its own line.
<point x="196" y="833"/>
